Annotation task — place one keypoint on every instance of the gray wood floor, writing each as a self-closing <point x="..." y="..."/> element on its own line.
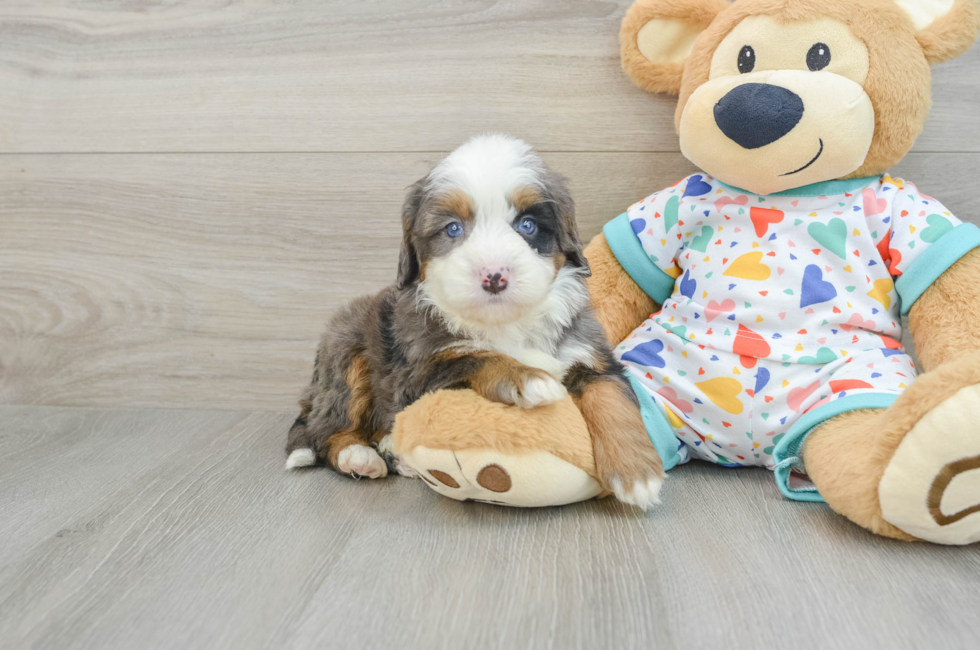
<point x="188" y="188"/>
<point x="180" y="529"/>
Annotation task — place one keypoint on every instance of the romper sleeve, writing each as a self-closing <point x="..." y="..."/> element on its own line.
<point x="645" y="240"/>
<point x="923" y="240"/>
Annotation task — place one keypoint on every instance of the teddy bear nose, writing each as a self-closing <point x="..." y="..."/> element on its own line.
<point x="754" y="115"/>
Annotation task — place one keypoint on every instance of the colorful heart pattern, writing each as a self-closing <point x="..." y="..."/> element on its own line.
<point x="815" y="289"/>
<point x="832" y="236"/>
<point x="781" y="304"/>
<point x="749" y="267"/>
<point x="762" y="217"/>
<point x="714" y="309"/>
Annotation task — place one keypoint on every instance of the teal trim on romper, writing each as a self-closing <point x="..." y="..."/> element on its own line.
<point x="824" y="188"/>
<point x="935" y="261"/>
<point x="658" y="428"/>
<point x="626" y="246"/>
<point x="787" y="452"/>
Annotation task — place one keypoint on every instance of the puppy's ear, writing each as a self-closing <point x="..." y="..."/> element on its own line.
<point x="657" y="36"/>
<point x="569" y="243"/>
<point x="945" y="28"/>
<point x="409" y="264"/>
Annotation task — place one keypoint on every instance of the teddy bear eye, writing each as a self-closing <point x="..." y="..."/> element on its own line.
<point x="746" y="59"/>
<point x="818" y="57"/>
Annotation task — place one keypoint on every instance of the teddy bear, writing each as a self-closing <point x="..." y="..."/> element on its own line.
<point x="756" y="305"/>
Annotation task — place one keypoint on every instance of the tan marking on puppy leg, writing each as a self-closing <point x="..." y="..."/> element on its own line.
<point x="498" y="373"/>
<point x="305" y="406"/>
<point x="359" y="381"/>
<point x="504" y="379"/>
<point x="523" y="198"/>
<point x="456" y="202"/>
<point x="341" y="440"/>
<point x="626" y="461"/>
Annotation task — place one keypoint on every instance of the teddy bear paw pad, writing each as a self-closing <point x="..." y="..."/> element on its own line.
<point x="931" y="487"/>
<point x="531" y="479"/>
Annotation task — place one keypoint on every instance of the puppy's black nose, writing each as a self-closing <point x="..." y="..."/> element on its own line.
<point x="494" y="282"/>
<point x="754" y="115"/>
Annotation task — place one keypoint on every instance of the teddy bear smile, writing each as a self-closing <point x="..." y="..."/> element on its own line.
<point x="812" y="160"/>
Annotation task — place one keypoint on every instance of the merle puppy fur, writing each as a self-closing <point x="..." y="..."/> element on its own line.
<point x="491" y="295"/>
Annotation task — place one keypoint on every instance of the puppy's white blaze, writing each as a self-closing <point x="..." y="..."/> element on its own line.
<point x="361" y="460"/>
<point x="300" y="458"/>
<point x="488" y="168"/>
<point x="541" y="391"/>
<point x="643" y="494"/>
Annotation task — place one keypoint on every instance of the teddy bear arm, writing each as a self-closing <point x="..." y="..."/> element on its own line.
<point x="945" y="320"/>
<point x="619" y="303"/>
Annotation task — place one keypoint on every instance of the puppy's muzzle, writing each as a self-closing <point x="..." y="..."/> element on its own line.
<point x="494" y="280"/>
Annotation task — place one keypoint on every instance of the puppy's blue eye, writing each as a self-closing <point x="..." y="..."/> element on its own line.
<point x="454" y="229"/>
<point x="527" y="226"/>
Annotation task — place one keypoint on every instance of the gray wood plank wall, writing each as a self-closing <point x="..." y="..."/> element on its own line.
<point x="187" y="189"/>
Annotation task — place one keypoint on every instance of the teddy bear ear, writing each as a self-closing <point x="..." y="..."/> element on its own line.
<point x="657" y="36"/>
<point x="944" y="28"/>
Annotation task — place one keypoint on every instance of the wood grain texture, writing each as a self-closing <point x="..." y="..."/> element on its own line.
<point x="180" y="529"/>
<point x="347" y="75"/>
<point x="205" y="280"/>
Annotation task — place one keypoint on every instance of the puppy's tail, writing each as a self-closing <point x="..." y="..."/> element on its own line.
<point x="299" y="445"/>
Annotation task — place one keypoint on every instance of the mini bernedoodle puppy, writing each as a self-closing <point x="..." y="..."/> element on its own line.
<point x="491" y="295"/>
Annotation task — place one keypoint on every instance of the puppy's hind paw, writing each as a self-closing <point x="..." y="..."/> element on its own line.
<point x="362" y="461"/>
<point x="643" y="493"/>
<point x="300" y="458"/>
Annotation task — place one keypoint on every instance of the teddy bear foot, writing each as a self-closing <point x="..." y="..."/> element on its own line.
<point x="911" y="471"/>
<point x="528" y="480"/>
<point x="931" y="487"/>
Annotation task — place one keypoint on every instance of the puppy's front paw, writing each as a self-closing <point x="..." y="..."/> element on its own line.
<point x="643" y="493"/>
<point x="536" y="390"/>
<point x="361" y="461"/>
<point x="630" y="468"/>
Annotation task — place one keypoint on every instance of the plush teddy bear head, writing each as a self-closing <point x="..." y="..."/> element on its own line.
<point x="777" y="94"/>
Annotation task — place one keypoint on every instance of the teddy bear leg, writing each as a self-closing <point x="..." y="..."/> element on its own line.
<point x="468" y="448"/>
<point x="911" y="471"/>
